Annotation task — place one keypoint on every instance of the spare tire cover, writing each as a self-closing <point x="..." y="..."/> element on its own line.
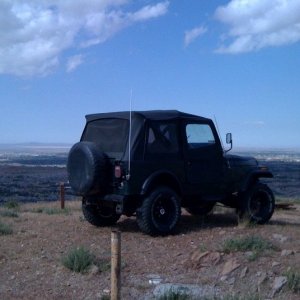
<point x="87" y="169"/>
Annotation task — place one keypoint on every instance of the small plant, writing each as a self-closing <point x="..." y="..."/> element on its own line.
<point x="9" y="213"/>
<point x="174" y="295"/>
<point x="293" y="280"/>
<point x="52" y="211"/>
<point x="5" y="229"/>
<point x="78" y="260"/>
<point x="12" y="204"/>
<point x="252" y="243"/>
<point x="103" y="265"/>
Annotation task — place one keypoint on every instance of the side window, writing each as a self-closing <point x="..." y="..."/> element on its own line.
<point x="199" y="135"/>
<point x="162" y="138"/>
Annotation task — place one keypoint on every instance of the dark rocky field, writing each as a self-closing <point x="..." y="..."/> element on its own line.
<point x="31" y="176"/>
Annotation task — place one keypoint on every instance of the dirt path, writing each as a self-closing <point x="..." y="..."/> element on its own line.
<point x="31" y="268"/>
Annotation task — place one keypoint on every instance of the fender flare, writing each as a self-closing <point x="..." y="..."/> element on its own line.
<point x="253" y="176"/>
<point x="166" y="177"/>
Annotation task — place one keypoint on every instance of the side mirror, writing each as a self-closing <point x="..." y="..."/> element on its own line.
<point x="228" y="138"/>
<point x="229" y="141"/>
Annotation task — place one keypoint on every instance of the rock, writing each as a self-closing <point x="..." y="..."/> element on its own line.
<point x="213" y="258"/>
<point x="94" y="270"/>
<point x="192" y="290"/>
<point x="287" y="252"/>
<point x="275" y="264"/>
<point x="230" y="266"/>
<point x="244" y="272"/>
<point x="262" y="278"/>
<point x="249" y="254"/>
<point x="278" y="284"/>
<point x="279" y="237"/>
<point x="205" y="259"/>
<point x="106" y="291"/>
<point x="197" y="255"/>
<point x="154" y="279"/>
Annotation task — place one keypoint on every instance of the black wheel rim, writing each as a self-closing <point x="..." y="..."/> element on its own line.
<point x="164" y="211"/>
<point x="259" y="204"/>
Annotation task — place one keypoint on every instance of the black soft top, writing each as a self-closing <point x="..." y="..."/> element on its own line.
<point x="149" y="114"/>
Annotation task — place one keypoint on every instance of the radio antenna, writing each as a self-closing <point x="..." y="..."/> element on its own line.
<point x="129" y="137"/>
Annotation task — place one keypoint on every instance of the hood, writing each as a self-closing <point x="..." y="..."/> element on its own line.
<point x="238" y="161"/>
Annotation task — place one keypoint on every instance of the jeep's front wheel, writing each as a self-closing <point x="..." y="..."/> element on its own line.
<point x="98" y="215"/>
<point x="257" y="204"/>
<point x="160" y="212"/>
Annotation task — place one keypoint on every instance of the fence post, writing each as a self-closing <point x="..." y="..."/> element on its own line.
<point x="62" y="195"/>
<point x="115" y="265"/>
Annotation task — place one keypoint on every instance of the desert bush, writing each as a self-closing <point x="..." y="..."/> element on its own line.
<point x="175" y="295"/>
<point x="78" y="260"/>
<point x="5" y="229"/>
<point x="9" y="213"/>
<point x="249" y="296"/>
<point x="12" y="204"/>
<point x="293" y="280"/>
<point x="255" y="244"/>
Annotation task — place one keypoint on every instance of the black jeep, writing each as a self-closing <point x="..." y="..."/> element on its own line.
<point x="152" y="163"/>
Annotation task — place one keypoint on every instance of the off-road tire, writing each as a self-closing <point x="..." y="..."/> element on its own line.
<point x="87" y="169"/>
<point x="257" y="204"/>
<point x="98" y="215"/>
<point x="160" y="212"/>
<point x="200" y="210"/>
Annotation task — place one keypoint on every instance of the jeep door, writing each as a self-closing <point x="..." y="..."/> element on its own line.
<point x="203" y="159"/>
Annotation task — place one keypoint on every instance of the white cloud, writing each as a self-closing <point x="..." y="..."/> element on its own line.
<point x="150" y="11"/>
<point x="33" y="35"/>
<point x="74" y="62"/>
<point x="191" y="35"/>
<point x="256" y="24"/>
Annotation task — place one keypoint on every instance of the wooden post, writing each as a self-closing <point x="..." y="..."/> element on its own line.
<point x="62" y="195"/>
<point x="115" y="265"/>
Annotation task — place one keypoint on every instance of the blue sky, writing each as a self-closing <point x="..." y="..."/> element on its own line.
<point x="237" y="61"/>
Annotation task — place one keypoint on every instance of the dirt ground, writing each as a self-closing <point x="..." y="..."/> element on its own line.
<point x="31" y="268"/>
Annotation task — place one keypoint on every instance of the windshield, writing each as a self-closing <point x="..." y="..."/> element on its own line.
<point x="110" y="135"/>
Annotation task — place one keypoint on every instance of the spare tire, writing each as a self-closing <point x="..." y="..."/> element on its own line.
<point x="87" y="169"/>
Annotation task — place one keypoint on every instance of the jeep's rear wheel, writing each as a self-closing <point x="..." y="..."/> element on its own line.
<point x="160" y="212"/>
<point x="257" y="204"/>
<point x="99" y="215"/>
<point x="201" y="209"/>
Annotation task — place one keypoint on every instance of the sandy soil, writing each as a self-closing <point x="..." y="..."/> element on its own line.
<point x="31" y="268"/>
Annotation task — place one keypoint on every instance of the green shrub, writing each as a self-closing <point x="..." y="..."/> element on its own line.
<point x="173" y="295"/>
<point x="78" y="260"/>
<point x="12" y="204"/>
<point x="255" y="244"/>
<point x="249" y="296"/>
<point x="9" y="213"/>
<point x="293" y="280"/>
<point x="250" y="243"/>
<point x="5" y="229"/>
